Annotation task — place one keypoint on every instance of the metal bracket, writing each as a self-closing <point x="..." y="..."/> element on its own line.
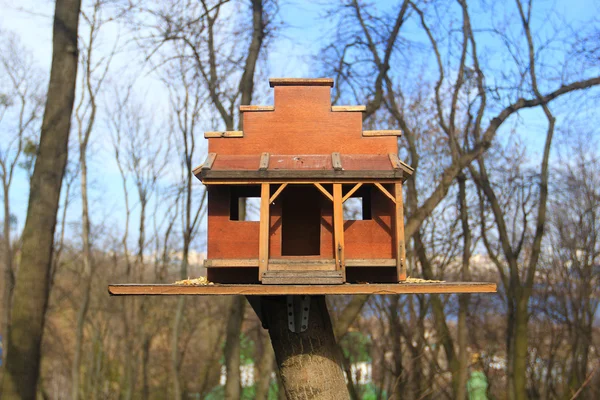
<point x="297" y="311"/>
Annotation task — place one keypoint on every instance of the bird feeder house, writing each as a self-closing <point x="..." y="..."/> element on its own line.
<point x="303" y="201"/>
<point x="304" y="195"/>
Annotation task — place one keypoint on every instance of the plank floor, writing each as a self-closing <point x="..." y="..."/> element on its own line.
<point x="278" y="290"/>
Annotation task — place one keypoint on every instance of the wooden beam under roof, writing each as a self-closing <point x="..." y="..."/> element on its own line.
<point x="303" y="174"/>
<point x="277" y="192"/>
<point x="349" y="108"/>
<point x="292" y="181"/>
<point x="223" y="134"/>
<point x="382" y="133"/>
<point x="256" y="108"/>
<point x="278" y="290"/>
<point x="323" y="190"/>
<point x="301" y="82"/>
<point x="253" y="262"/>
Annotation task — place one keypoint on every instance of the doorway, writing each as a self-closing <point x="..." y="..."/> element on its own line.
<point x="301" y="221"/>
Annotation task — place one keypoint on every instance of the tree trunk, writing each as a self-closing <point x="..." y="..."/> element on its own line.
<point x="265" y="368"/>
<point x="8" y="272"/>
<point x="175" y="363"/>
<point x="463" y="299"/>
<point x="307" y="361"/>
<point x="130" y="335"/>
<point x="233" y="383"/>
<point x="510" y="345"/>
<point x="519" y="357"/>
<point x="145" y="366"/>
<point x="463" y="356"/>
<point x="81" y="315"/>
<point x="396" y="387"/>
<point x="349" y="315"/>
<point x="32" y="284"/>
<point x="87" y="269"/>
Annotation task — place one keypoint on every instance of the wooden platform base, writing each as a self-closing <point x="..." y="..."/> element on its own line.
<point x="306" y="277"/>
<point x="281" y="290"/>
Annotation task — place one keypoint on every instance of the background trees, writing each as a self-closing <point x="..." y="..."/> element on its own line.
<point x="32" y="283"/>
<point x="21" y="101"/>
<point x="496" y="103"/>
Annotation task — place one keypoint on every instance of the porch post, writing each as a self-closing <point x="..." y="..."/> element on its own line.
<point x="338" y="229"/>
<point x="399" y="233"/>
<point x="263" y="246"/>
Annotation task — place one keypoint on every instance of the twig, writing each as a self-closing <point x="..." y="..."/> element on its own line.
<point x="585" y="383"/>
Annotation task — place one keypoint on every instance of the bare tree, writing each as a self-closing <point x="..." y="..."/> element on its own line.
<point x="94" y="71"/>
<point x="224" y="53"/>
<point x="463" y="103"/>
<point x="567" y="293"/>
<point x="142" y="151"/>
<point x="187" y="101"/>
<point x="32" y="283"/>
<point x="20" y="111"/>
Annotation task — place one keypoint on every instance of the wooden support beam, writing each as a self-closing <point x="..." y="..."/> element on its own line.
<point x="323" y="190"/>
<point x="301" y="82"/>
<point x="303" y="277"/>
<point x="264" y="162"/>
<point x="292" y="264"/>
<point x="279" y="290"/>
<point x="277" y="192"/>
<point x="351" y="192"/>
<point x="224" y="134"/>
<point x="210" y="160"/>
<point x="399" y="234"/>
<point x="301" y="267"/>
<point x="384" y="191"/>
<point x="382" y="133"/>
<point x="250" y="108"/>
<point x="305" y="174"/>
<point x="349" y="108"/>
<point x="263" y="246"/>
<point x="294" y="181"/>
<point x="286" y="264"/>
<point x="338" y="229"/>
<point x="336" y="161"/>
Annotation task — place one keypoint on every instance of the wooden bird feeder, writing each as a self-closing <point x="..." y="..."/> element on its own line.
<point x="298" y="163"/>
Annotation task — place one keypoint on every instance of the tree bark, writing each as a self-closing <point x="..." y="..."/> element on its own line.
<point x="32" y="283"/>
<point x="87" y="254"/>
<point x="9" y="277"/>
<point x="349" y="315"/>
<point x="463" y="299"/>
<point x="233" y="384"/>
<point x="175" y="362"/>
<point x="307" y="362"/>
<point x="521" y="342"/>
<point x="81" y="316"/>
<point x="265" y="368"/>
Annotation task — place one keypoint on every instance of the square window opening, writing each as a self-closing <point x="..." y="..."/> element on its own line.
<point x="357" y="209"/>
<point x="244" y="205"/>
